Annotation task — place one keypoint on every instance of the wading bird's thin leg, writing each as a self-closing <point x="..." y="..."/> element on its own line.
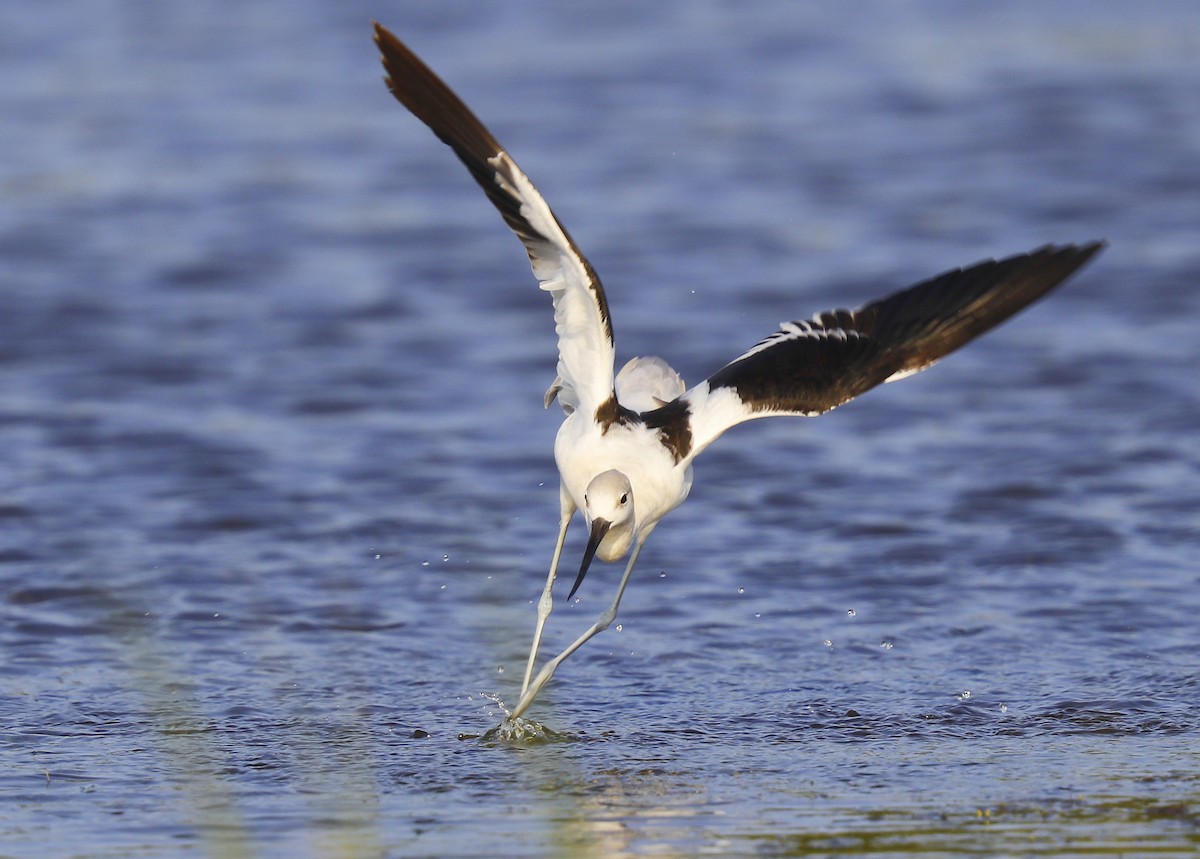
<point x="546" y="603"/>
<point x="602" y="623"/>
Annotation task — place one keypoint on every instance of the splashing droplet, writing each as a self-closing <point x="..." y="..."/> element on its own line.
<point x="851" y="613"/>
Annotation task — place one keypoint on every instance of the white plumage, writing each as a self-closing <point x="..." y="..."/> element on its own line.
<point x="625" y="449"/>
<point x="645" y="384"/>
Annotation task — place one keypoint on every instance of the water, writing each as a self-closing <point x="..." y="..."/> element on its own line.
<point x="271" y="526"/>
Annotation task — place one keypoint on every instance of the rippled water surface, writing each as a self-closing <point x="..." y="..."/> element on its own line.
<point x="276" y="489"/>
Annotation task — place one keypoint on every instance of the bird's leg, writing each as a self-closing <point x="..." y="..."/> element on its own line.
<point x="602" y="623"/>
<point x="546" y="603"/>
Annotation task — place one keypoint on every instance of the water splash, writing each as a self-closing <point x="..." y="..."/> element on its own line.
<point x="518" y="731"/>
<point x="521" y="731"/>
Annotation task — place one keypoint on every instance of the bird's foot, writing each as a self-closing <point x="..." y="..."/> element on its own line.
<point x="514" y="729"/>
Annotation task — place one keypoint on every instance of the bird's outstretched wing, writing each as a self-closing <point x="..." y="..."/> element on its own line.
<point x="811" y="366"/>
<point x="585" y="337"/>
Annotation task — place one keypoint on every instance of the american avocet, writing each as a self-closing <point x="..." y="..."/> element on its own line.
<point x="625" y="450"/>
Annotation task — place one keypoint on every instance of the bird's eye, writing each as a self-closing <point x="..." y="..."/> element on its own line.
<point x="624" y="498"/>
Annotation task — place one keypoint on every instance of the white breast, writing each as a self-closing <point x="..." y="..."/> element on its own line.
<point x="659" y="483"/>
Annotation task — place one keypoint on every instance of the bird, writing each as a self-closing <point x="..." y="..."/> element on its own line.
<point x="627" y="443"/>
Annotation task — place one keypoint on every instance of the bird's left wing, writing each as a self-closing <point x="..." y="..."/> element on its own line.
<point x="585" y="338"/>
<point x="811" y="366"/>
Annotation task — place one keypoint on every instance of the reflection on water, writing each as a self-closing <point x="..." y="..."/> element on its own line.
<point x="276" y="496"/>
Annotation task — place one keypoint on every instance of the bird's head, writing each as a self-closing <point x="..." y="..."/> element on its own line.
<point x="608" y="507"/>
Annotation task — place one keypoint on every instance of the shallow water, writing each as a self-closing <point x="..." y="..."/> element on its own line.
<point x="276" y="493"/>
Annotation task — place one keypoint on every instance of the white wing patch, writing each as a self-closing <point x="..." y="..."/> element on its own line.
<point x="711" y="412"/>
<point x="799" y="329"/>
<point x="585" y="349"/>
<point x="911" y="371"/>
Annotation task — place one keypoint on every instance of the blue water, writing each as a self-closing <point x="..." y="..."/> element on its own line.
<point x="277" y="494"/>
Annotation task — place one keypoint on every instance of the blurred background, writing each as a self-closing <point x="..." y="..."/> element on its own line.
<point x="277" y="493"/>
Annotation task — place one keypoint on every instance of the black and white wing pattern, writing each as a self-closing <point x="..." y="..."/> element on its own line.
<point x="585" y="337"/>
<point x="811" y="366"/>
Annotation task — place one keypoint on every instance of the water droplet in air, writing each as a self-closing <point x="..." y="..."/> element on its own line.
<point x="886" y="645"/>
<point x="851" y="612"/>
<point x="741" y="590"/>
<point x="620" y="626"/>
<point x="378" y="556"/>
<point x="500" y="669"/>
<point x="828" y="642"/>
<point x="445" y="558"/>
<point x="758" y="614"/>
<point x="424" y="563"/>
<point x="964" y="694"/>
<point x="1003" y="708"/>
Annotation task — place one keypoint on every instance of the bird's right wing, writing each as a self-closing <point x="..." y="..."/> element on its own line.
<point x="585" y="337"/>
<point x="811" y="366"/>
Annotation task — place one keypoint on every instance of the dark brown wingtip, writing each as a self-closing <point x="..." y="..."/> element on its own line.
<point x="430" y="99"/>
<point x="1090" y="250"/>
<point x="381" y="35"/>
<point x="1063" y="261"/>
<point x="385" y="40"/>
<point x="394" y="55"/>
<point x="1077" y="254"/>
